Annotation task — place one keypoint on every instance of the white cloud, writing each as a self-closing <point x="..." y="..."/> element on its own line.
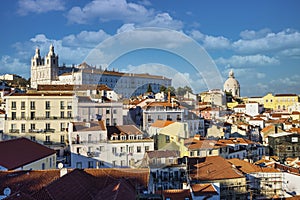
<point x="39" y="6"/>
<point x="121" y="10"/>
<point x="85" y="38"/>
<point x="247" y="61"/>
<point x="271" y="42"/>
<point x="293" y="53"/>
<point x="210" y="42"/>
<point x="106" y="10"/>
<point x="126" y="27"/>
<point x="251" y="34"/>
<point x="260" y="75"/>
<point x="14" y="65"/>
<point x="164" y="20"/>
<point x="68" y="53"/>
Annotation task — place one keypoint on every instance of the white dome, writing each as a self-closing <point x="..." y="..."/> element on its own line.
<point x="232" y="85"/>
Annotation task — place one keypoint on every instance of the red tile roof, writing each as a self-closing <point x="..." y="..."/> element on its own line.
<point x="206" y="189"/>
<point x="246" y="167"/>
<point x="174" y="194"/>
<point x="161" y="123"/>
<point x="87" y="184"/>
<point x="212" y="168"/>
<point x="19" y="152"/>
<point x="89" y="126"/>
<point x="27" y="182"/>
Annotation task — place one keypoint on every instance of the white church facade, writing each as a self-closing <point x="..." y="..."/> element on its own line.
<point x="46" y="70"/>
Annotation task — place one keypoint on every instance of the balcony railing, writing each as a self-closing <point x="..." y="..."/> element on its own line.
<point x="38" y="118"/>
<point x="14" y="130"/>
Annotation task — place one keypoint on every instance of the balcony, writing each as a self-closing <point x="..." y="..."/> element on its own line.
<point x="93" y="154"/>
<point x="35" y="130"/>
<point x="14" y="130"/>
<point x="51" y="130"/>
<point x="48" y="142"/>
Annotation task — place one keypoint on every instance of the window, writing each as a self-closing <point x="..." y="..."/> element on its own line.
<point x="107" y="122"/>
<point x="23" y="128"/>
<point x="62" y="139"/>
<point x="130" y="149"/>
<point x="122" y="149"/>
<point x="69" y="104"/>
<point x="22" y="115"/>
<point x="47" y="126"/>
<point x="147" y="148"/>
<point x="13" y="105"/>
<point x="32" y="126"/>
<point x="115" y="111"/>
<point x="138" y="149"/>
<point x="114" y="150"/>
<point x="107" y="111"/>
<point x="62" y="114"/>
<point x="32" y="105"/>
<point x="114" y="121"/>
<point x="32" y="138"/>
<point x="47" y="114"/>
<point x="69" y="113"/>
<point x="101" y="148"/>
<point x="62" y="127"/>
<point x="13" y="115"/>
<point x="32" y="115"/>
<point x="62" y="105"/>
<point x="47" y="105"/>
<point x="47" y="138"/>
<point x="79" y="165"/>
<point x="43" y="165"/>
<point x="22" y="105"/>
<point x="90" y="164"/>
<point x="123" y="163"/>
<point x="167" y="139"/>
<point x="89" y="138"/>
<point x="114" y="163"/>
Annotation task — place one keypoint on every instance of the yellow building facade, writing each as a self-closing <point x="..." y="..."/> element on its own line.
<point x="280" y="102"/>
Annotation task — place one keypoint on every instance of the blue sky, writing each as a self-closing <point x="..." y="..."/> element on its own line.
<point x="259" y="40"/>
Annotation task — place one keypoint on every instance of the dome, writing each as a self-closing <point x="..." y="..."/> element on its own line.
<point x="232" y="85"/>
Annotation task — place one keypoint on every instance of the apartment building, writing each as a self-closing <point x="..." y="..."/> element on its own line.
<point x="41" y="117"/>
<point x="93" y="145"/>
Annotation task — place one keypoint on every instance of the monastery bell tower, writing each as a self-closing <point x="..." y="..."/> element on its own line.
<point x="44" y="70"/>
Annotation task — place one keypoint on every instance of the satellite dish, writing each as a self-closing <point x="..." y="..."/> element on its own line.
<point x="7" y="191"/>
<point x="60" y="165"/>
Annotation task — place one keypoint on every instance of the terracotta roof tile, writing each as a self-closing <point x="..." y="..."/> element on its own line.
<point x="246" y="167"/>
<point x="89" y="126"/>
<point x="174" y="194"/>
<point x="212" y="168"/>
<point x="206" y="189"/>
<point x="22" y="151"/>
<point x="161" y="123"/>
<point x="27" y="182"/>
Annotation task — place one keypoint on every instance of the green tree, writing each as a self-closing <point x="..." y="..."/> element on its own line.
<point x="163" y="89"/>
<point x="149" y="89"/>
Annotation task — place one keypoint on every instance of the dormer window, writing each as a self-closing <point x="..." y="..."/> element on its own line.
<point x="131" y="137"/>
<point x="123" y="137"/>
<point x="114" y="137"/>
<point x="139" y="137"/>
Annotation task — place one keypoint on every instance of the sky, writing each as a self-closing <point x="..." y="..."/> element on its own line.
<point x="258" y="40"/>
